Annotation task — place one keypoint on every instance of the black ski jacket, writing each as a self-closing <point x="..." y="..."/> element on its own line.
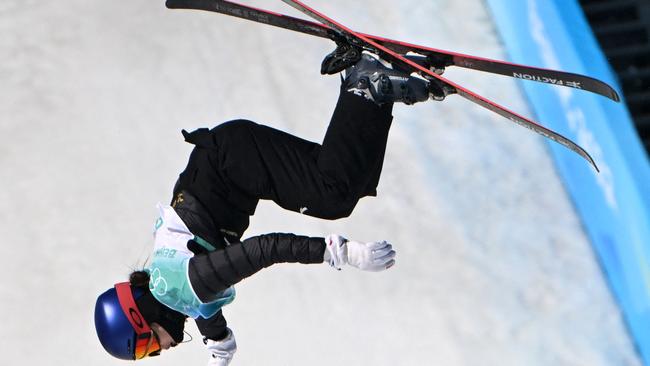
<point x="213" y="270"/>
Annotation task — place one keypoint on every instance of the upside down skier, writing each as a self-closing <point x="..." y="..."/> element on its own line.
<point x="198" y="252"/>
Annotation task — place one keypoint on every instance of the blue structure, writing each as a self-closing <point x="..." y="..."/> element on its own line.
<point x="614" y="205"/>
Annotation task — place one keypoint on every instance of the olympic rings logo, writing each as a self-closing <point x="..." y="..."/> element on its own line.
<point x="157" y="282"/>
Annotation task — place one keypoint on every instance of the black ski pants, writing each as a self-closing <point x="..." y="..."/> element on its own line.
<point x="322" y="180"/>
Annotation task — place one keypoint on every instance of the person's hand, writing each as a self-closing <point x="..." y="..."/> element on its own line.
<point x="374" y="257"/>
<point x="222" y="351"/>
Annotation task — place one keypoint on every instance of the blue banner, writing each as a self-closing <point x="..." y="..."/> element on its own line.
<point x="614" y="205"/>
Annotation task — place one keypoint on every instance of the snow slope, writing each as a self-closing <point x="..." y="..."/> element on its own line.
<point x="493" y="266"/>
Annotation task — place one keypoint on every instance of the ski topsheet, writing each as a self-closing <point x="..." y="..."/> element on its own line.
<point x="440" y="58"/>
<point x="393" y="52"/>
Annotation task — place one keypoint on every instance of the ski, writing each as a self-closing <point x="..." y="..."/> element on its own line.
<point x="437" y="59"/>
<point x="399" y="60"/>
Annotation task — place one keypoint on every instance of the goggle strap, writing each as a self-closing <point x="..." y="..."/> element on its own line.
<point x="130" y="309"/>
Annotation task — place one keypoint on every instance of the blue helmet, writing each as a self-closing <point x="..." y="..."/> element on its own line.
<point x="114" y="329"/>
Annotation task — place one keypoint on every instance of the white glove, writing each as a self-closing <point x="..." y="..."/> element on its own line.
<point x="374" y="257"/>
<point x="222" y="351"/>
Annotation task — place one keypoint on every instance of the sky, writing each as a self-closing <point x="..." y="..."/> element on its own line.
<point x="493" y="267"/>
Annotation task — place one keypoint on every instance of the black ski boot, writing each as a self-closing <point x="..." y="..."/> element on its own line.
<point x="344" y="56"/>
<point x="373" y="80"/>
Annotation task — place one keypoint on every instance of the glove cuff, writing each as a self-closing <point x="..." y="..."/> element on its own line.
<point x="221" y="351"/>
<point x="337" y="249"/>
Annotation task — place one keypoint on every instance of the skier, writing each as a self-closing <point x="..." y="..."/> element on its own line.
<point x="198" y="253"/>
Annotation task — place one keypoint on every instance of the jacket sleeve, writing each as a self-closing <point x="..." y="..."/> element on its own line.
<point x="214" y="272"/>
<point x="214" y="328"/>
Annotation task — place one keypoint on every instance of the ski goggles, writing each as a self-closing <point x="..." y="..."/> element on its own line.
<point x="146" y="341"/>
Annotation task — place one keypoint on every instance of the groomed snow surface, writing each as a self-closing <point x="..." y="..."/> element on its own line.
<point x="493" y="266"/>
